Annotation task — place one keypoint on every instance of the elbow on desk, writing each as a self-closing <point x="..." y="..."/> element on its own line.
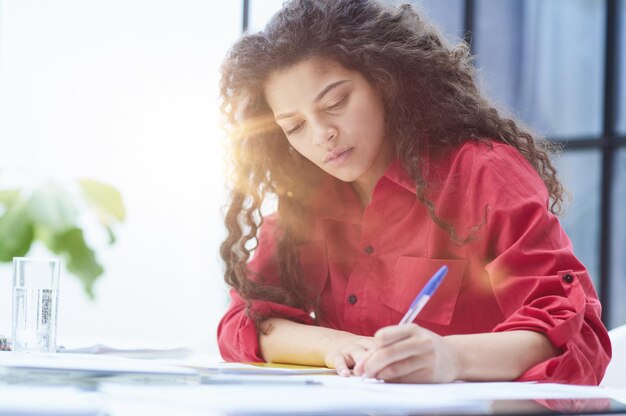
<point x="237" y="339"/>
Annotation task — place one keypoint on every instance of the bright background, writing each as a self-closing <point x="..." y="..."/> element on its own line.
<point x="125" y="91"/>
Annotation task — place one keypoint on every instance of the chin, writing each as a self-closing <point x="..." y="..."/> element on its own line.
<point x="345" y="177"/>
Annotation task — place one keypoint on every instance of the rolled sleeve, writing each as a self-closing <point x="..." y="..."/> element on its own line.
<point x="572" y="324"/>
<point x="540" y="285"/>
<point x="237" y="333"/>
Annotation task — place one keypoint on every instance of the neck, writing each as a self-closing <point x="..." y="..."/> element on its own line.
<point x="364" y="194"/>
<point x="364" y="186"/>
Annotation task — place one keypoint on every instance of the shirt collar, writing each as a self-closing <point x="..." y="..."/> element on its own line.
<point x="397" y="173"/>
<point x="336" y="200"/>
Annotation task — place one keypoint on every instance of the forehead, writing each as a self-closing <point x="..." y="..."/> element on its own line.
<point x="301" y="83"/>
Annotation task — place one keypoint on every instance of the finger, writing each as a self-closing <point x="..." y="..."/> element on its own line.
<point x="392" y="334"/>
<point x="339" y="362"/>
<point x="402" y="350"/>
<point x="358" y="355"/>
<point x="425" y="374"/>
<point x="414" y="369"/>
<point x="361" y="362"/>
<point x="355" y="356"/>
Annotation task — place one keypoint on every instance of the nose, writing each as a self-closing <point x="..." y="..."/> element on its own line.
<point x="325" y="134"/>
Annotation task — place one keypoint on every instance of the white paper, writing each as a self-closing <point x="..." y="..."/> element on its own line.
<point x="86" y="364"/>
<point x="618" y="394"/>
<point x="494" y="390"/>
<point x="123" y="347"/>
<point x="214" y="364"/>
<point x="286" y="399"/>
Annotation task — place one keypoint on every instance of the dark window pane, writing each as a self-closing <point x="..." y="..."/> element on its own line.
<point x="618" y="228"/>
<point x="544" y="61"/>
<point x="580" y="174"/>
<point x="621" y="115"/>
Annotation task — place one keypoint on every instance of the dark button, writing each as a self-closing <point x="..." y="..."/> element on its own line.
<point x="568" y="278"/>
<point x="352" y="299"/>
<point x="369" y="250"/>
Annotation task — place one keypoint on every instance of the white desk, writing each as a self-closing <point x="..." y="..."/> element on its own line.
<point x="181" y="392"/>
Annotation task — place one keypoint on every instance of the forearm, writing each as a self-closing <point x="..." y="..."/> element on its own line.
<point x="286" y="341"/>
<point x="499" y="356"/>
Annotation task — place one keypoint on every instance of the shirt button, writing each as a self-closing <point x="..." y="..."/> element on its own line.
<point x="352" y="299"/>
<point x="369" y="250"/>
<point x="568" y="278"/>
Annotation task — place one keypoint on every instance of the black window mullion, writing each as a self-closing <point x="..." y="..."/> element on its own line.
<point x="245" y="18"/>
<point x="581" y="143"/>
<point x="469" y="23"/>
<point x="608" y="132"/>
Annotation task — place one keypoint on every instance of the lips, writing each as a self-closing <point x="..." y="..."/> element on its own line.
<point x="338" y="155"/>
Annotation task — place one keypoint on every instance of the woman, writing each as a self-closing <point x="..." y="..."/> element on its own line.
<point x="387" y="163"/>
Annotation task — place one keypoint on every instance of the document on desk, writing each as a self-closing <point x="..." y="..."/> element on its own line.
<point x="337" y="395"/>
<point x="497" y="390"/>
<point x="215" y="365"/>
<point x="86" y="364"/>
<point x="123" y="348"/>
<point x="284" y="399"/>
<point x="270" y="368"/>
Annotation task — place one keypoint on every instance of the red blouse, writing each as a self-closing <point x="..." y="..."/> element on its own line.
<point x="518" y="272"/>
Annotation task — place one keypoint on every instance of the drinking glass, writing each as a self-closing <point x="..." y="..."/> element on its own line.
<point x="35" y="301"/>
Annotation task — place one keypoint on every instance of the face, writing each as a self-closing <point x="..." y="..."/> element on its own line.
<point x="332" y="116"/>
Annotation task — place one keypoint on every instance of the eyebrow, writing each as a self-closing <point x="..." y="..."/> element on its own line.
<point x="319" y="97"/>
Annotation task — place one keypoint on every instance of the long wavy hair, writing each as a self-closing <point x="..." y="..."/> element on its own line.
<point x="429" y="94"/>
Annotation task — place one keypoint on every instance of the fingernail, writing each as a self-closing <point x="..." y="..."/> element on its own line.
<point x="345" y="373"/>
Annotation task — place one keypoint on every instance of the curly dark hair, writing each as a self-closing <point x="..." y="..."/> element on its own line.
<point x="428" y="90"/>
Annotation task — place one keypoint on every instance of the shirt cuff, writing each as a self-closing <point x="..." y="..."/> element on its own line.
<point x="238" y="334"/>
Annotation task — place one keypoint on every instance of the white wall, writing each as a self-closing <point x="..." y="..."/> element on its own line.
<point x="125" y="91"/>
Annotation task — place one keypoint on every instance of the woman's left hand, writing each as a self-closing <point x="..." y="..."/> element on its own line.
<point x="409" y="354"/>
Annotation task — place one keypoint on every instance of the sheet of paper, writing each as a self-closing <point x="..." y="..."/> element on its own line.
<point x="617" y="394"/>
<point x="86" y="364"/>
<point x="494" y="390"/>
<point x="270" y="368"/>
<point x="287" y="399"/>
<point x="123" y="347"/>
<point x="214" y="364"/>
<point x="337" y="395"/>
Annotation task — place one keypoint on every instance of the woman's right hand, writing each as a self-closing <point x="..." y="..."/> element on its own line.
<point x="343" y="350"/>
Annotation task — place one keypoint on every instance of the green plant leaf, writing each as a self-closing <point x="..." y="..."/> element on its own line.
<point x="50" y="214"/>
<point x="16" y="231"/>
<point x="80" y="259"/>
<point x="53" y="207"/>
<point x="104" y="197"/>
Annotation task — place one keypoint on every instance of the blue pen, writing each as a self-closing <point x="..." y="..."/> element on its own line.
<point x="424" y="296"/>
<point x="421" y="300"/>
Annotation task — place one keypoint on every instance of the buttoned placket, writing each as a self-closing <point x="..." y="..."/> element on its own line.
<point x="359" y="291"/>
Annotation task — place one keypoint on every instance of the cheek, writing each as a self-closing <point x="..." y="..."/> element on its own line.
<point x="301" y="148"/>
<point x="369" y="117"/>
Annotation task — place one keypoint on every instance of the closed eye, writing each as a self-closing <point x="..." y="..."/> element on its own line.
<point x="294" y="130"/>
<point x="337" y="104"/>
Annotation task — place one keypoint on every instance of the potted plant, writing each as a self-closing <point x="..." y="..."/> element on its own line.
<point x="55" y="214"/>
